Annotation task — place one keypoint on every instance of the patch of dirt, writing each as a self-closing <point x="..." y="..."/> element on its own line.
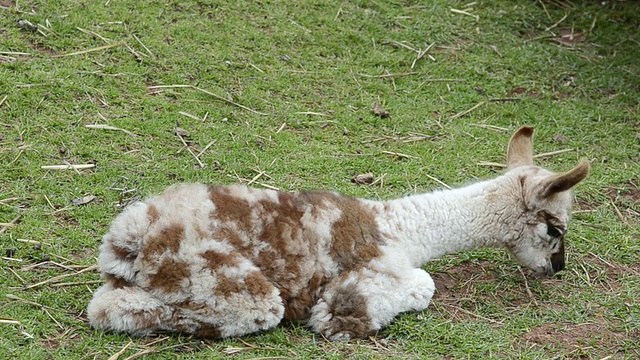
<point x="7" y="3"/>
<point x="43" y="49"/>
<point x="573" y="339"/>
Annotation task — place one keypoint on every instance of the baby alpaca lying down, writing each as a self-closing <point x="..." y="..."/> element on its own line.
<point x="221" y="261"/>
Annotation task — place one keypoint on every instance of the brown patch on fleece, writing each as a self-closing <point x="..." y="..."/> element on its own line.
<point x="355" y="235"/>
<point x="169" y="275"/>
<point x="349" y="309"/>
<point x="117" y="282"/>
<point x="216" y="259"/>
<point x="168" y="239"/>
<point x="227" y="286"/>
<point x="230" y="208"/>
<point x="298" y="308"/>
<point x="257" y="285"/>
<point x="152" y="214"/>
<point x="122" y="253"/>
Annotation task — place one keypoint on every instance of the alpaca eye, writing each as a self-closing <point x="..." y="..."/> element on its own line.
<point x="553" y="231"/>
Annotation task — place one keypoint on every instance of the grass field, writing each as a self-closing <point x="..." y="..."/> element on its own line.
<point x="280" y="94"/>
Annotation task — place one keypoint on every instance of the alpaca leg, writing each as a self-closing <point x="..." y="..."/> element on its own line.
<point x="128" y="309"/>
<point x="362" y="302"/>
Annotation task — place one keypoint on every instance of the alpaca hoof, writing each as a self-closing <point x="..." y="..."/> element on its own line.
<point x="340" y="336"/>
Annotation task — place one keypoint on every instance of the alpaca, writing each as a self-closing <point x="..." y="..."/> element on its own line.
<point x="226" y="261"/>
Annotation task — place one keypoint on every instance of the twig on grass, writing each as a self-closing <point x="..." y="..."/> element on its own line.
<point x="109" y="127"/>
<point x="474" y="314"/>
<point x="464" y="12"/>
<point x="93" y="33"/>
<point x="56" y="279"/>
<point x="463" y="113"/>
<point x="99" y="48"/>
<point x="526" y="286"/>
<point x="3" y="99"/>
<point x="10" y="321"/>
<point x="145" y="48"/>
<point x="189" y="115"/>
<point x="311" y="113"/>
<point x="68" y="166"/>
<point x="189" y="149"/>
<point x="399" y="154"/>
<point x="552" y="153"/>
<point x="622" y="218"/>
<point x="421" y="54"/>
<point x="388" y="76"/>
<point x="438" y="181"/>
<point x="11" y="223"/>
<point x="116" y="356"/>
<point x="208" y="93"/>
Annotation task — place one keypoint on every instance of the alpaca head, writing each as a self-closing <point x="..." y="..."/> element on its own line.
<point x="545" y="200"/>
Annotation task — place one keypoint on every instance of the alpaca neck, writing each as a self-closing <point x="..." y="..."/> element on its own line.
<point x="431" y="225"/>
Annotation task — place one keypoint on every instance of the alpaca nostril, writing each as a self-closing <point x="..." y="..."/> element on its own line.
<point x="557" y="265"/>
<point x="557" y="261"/>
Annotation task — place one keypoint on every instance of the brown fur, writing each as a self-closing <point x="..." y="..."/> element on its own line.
<point x="170" y="276"/>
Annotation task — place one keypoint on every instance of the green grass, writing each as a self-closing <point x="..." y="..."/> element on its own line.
<point x="288" y="58"/>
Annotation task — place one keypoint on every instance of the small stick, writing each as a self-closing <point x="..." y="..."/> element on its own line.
<point x="16" y="275"/>
<point x="421" y="54"/>
<point x="397" y="43"/>
<point x="492" y="127"/>
<point x="526" y="286"/>
<point x="465" y="13"/>
<point x="189" y="150"/>
<point x="76" y="283"/>
<point x="68" y="166"/>
<point x="557" y="23"/>
<point x="255" y="67"/>
<point x="141" y="353"/>
<point x="3" y="99"/>
<point x="145" y="48"/>
<point x="108" y="127"/>
<point x="189" y="115"/>
<point x="388" y="76"/>
<point x="622" y="218"/>
<point x="12" y="222"/>
<point x="463" y="113"/>
<point x="210" y="94"/>
<point x="311" y="113"/>
<point x="399" y="154"/>
<point x="92" y="33"/>
<point x="99" y="48"/>
<point x="551" y="153"/>
<point x="255" y="178"/>
<point x="206" y="148"/>
<point x="60" y="277"/>
<point x="443" y="80"/>
<point x="474" y="314"/>
<point x="438" y="181"/>
<point x="281" y="127"/>
<point x="117" y="355"/>
<point x="9" y="321"/>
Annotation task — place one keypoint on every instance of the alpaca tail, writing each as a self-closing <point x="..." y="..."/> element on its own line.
<point x="128" y="309"/>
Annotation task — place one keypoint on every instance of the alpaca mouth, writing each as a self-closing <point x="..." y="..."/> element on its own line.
<point x="557" y="259"/>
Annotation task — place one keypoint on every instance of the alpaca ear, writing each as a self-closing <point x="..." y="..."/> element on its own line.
<point x="520" y="151"/>
<point x="565" y="181"/>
